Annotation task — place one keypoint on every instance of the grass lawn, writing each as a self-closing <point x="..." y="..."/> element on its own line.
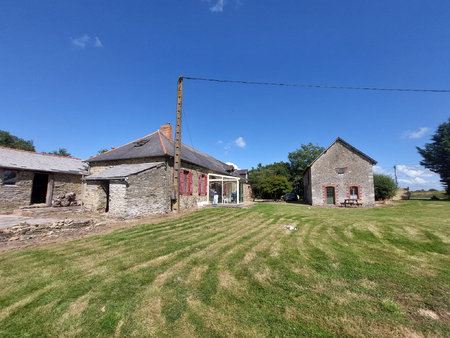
<point x="428" y="194"/>
<point x="219" y="272"/>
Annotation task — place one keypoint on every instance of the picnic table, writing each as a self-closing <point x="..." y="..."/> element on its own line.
<point x="351" y="202"/>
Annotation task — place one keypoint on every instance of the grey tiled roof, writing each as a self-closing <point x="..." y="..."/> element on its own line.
<point x="157" y="145"/>
<point x="27" y="160"/>
<point x="121" y="171"/>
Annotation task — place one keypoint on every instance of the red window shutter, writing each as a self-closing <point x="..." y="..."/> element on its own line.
<point x="191" y="183"/>
<point x="181" y="182"/>
<point x="205" y="184"/>
<point x="200" y="192"/>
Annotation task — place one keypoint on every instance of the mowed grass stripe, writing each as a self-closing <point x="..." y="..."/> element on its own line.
<point x="364" y="272"/>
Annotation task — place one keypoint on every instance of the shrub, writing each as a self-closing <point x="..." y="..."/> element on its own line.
<point x="385" y="187"/>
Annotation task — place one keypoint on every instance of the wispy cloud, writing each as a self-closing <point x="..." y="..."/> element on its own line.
<point x="218" y="7"/>
<point x="85" y="41"/>
<point x="240" y="142"/>
<point x="380" y="170"/>
<point x="416" y="133"/>
<point x="413" y="176"/>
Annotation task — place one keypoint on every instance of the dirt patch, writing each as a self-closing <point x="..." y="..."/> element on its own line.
<point x="99" y="224"/>
<point x="428" y="313"/>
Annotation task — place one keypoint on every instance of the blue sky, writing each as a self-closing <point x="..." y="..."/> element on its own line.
<point x="87" y="75"/>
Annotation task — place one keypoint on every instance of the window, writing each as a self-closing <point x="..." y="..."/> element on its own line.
<point x="185" y="182"/>
<point x="202" y="184"/>
<point x="354" y="193"/>
<point x="9" y="177"/>
<point x="341" y="170"/>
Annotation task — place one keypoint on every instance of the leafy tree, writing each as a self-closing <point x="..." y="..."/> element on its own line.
<point x="101" y="151"/>
<point x="275" y="186"/>
<point x="299" y="161"/>
<point x="258" y="175"/>
<point x="11" y="141"/>
<point x="436" y="155"/>
<point x="385" y="187"/>
<point x="60" y="152"/>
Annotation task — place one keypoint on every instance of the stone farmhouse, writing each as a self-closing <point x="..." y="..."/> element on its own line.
<point x="135" y="179"/>
<point x="341" y="172"/>
<point x="32" y="178"/>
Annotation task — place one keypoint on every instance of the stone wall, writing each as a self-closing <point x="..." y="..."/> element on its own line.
<point x="356" y="171"/>
<point x="18" y="195"/>
<point x="94" y="196"/>
<point x="145" y="193"/>
<point x="96" y="167"/>
<point x="65" y="183"/>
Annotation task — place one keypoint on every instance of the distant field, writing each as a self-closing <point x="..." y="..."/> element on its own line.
<point x="428" y="194"/>
<point x="220" y="272"/>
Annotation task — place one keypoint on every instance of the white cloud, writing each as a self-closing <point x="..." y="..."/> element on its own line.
<point x="414" y="171"/>
<point x="86" y="41"/>
<point x="416" y="133"/>
<point x="240" y="142"/>
<point x="81" y="42"/>
<point x="413" y="176"/>
<point x="380" y="170"/>
<point x="234" y="165"/>
<point x="417" y="177"/>
<point x="97" y="42"/>
<point x="218" y="7"/>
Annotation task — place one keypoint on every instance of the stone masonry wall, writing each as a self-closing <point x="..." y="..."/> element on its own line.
<point x="18" y="195"/>
<point x="65" y="183"/>
<point x="94" y="196"/>
<point x="357" y="171"/>
<point x="145" y="194"/>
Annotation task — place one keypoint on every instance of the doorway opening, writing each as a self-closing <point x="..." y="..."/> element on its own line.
<point x="330" y="195"/>
<point x="105" y="187"/>
<point x="39" y="189"/>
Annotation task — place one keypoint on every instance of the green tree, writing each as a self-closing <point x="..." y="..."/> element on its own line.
<point x="275" y="186"/>
<point x="60" y="152"/>
<point x="299" y="160"/>
<point x="101" y="151"/>
<point x="11" y="141"/>
<point x="385" y="187"/>
<point x="258" y="175"/>
<point x="436" y="155"/>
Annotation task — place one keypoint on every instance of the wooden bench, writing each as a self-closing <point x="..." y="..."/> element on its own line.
<point x="350" y="202"/>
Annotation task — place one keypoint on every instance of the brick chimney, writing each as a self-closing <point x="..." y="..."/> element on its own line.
<point x="167" y="131"/>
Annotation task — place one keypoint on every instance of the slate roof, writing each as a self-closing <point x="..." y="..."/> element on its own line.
<point x="157" y="145"/>
<point x="348" y="146"/>
<point x="28" y="160"/>
<point x="122" y="171"/>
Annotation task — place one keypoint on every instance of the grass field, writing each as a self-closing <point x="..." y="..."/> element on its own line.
<point x="428" y="194"/>
<point x="220" y="272"/>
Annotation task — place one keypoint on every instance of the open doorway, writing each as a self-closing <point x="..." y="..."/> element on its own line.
<point x="105" y="187"/>
<point x="39" y="189"/>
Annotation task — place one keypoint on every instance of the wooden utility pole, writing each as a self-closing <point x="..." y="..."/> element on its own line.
<point x="177" y="149"/>
<point x="395" y="173"/>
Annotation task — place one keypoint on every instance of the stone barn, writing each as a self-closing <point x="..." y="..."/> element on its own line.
<point x="30" y="178"/>
<point x="135" y="179"/>
<point x="341" y="172"/>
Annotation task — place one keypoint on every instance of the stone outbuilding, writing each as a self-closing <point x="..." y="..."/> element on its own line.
<point x="28" y="178"/>
<point x="341" y="172"/>
<point x="135" y="179"/>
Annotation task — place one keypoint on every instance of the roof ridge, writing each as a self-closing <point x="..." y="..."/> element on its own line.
<point x="123" y="145"/>
<point x="35" y="152"/>
<point x="162" y="143"/>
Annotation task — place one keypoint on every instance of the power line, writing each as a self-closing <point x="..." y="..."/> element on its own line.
<point x="304" y="85"/>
